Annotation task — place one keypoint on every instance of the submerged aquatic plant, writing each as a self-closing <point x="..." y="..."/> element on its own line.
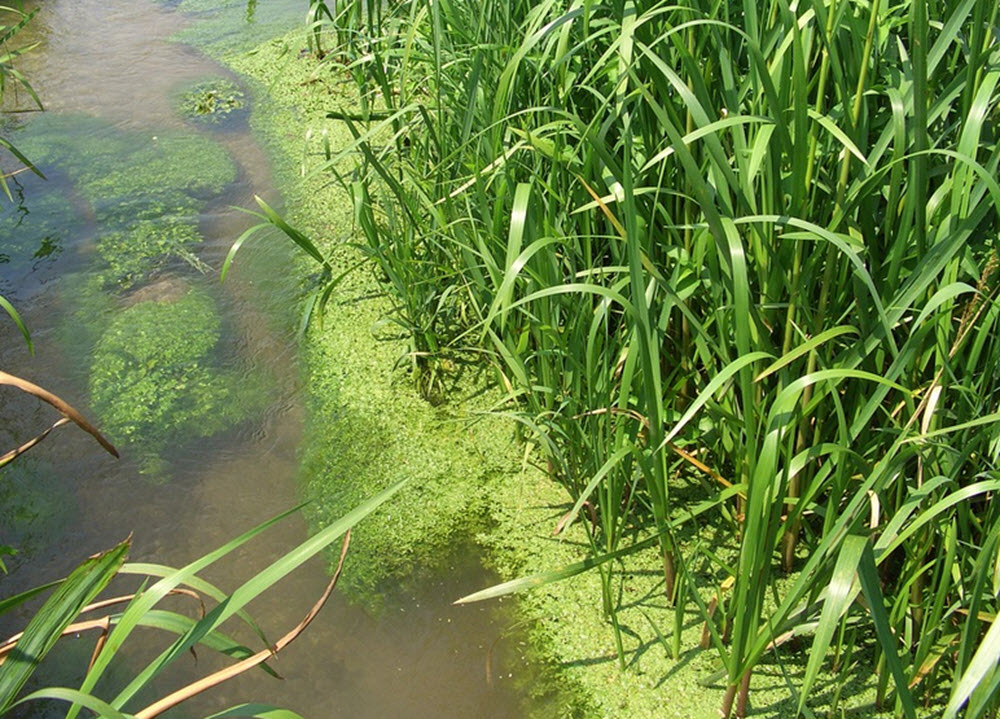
<point x="135" y="253"/>
<point x="154" y="369"/>
<point x="212" y="101"/>
<point x="110" y="165"/>
<point x="156" y="376"/>
<point x="146" y="192"/>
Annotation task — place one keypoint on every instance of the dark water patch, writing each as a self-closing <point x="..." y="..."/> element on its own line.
<point x="33" y="510"/>
<point x="40" y="232"/>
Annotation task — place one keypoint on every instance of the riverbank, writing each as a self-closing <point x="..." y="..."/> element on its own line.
<point x="467" y="477"/>
<point x="359" y="394"/>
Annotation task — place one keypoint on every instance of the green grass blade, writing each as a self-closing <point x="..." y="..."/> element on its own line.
<point x="145" y="601"/>
<point x="838" y="598"/>
<point x="868" y="574"/>
<point x="9" y="308"/>
<point x="10" y="602"/>
<point x="716" y="383"/>
<point x="261" y="711"/>
<point x="231" y="255"/>
<point x="571" y="570"/>
<point x="805" y="348"/>
<point x="58" y="612"/>
<point x="76" y="697"/>
<point x="216" y="641"/>
<point x="607" y="467"/>
<point x="293" y="234"/>
<point x="263" y="581"/>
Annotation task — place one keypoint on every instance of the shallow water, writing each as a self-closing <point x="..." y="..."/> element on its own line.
<point x="113" y="60"/>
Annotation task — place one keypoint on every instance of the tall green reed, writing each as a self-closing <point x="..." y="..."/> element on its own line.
<point x="750" y="244"/>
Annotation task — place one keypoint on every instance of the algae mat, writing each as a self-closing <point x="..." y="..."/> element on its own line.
<point x="149" y="335"/>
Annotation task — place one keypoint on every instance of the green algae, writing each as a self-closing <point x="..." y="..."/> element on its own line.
<point x="155" y="378"/>
<point x="149" y="340"/>
<point x="145" y="191"/>
<point x="115" y="169"/>
<point x="213" y="101"/>
<point x="133" y="254"/>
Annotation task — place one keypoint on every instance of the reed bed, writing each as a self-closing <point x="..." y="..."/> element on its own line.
<point x="735" y="263"/>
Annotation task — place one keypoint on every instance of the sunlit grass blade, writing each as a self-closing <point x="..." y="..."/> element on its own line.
<point x="868" y="574"/>
<point x="59" y="610"/>
<point x="13" y="314"/>
<point x="239" y="598"/>
<point x="260" y="711"/>
<point x="76" y="697"/>
<point x="556" y="575"/>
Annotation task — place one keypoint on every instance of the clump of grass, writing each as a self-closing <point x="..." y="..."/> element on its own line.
<point x="748" y="245"/>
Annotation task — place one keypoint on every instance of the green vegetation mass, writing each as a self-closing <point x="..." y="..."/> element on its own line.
<point x="155" y="379"/>
<point x="149" y="338"/>
<point x="365" y="431"/>
<point x="735" y="267"/>
<point x="212" y="101"/>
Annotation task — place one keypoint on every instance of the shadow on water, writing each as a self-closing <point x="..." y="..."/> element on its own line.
<point x="110" y="64"/>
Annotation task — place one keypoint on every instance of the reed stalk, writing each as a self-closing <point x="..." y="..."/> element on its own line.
<point x="757" y="233"/>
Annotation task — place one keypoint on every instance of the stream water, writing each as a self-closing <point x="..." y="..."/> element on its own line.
<point x="109" y="76"/>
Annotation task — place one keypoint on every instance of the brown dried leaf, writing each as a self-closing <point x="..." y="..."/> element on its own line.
<point x="63" y="407"/>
